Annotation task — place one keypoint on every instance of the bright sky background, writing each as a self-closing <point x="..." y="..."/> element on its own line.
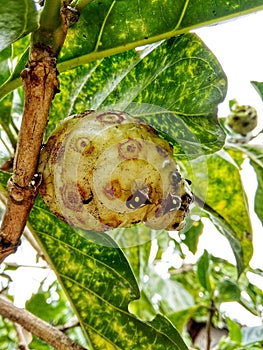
<point x="238" y="46"/>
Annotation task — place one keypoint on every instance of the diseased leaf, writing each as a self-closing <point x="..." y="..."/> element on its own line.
<point x="174" y="86"/>
<point x="110" y="26"/>
<point x="217" y="182"/>
<point x="100" y="284"/>
<point x="258" y="203"/>
<point x="17" y="18"/>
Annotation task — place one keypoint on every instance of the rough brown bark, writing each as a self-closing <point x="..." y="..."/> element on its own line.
<point x="40" y="82"/>
<point x="41" y="329"/>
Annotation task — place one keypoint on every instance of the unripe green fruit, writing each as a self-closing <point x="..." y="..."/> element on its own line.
<point x="242" y="120"/>
<point x="105" y="169"/>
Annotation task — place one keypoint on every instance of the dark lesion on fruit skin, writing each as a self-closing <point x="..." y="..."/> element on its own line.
<point x="175" y="179"/>
<point x="111" y="221"/>
<point x="89" y="149"/>
<point x="71" y="197"/>
<point x="88" y="200"/>
<point x="187" y="199"/>
<point x="113" y="189"/>
<point x="129" y="149"/>
<point x="118" y="118"/>
<point x="161" y="151"/>
<point x="57" y="152"/>
<point x="86" y="196"/>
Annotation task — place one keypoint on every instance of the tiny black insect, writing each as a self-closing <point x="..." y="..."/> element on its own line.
<point x="171" y="203"/>
<point x="137" y="200"/>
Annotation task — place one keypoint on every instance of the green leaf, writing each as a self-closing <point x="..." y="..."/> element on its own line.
<point x="6" y="105"/>
<point x="164" y="326"/>
<point x="180" y="318"/>
<point x="17" y="18"/>
<point x="100" y="284"/>
<point x="4" y="64"/>
<point x="258" y="203"/>
<point x="143" y="308"/>
<point x="236" y="244"/>
<point x="217" y="182"/>
<point x="44" y="306"/>
<point x="174" y="86"/>
<point x="203" y="271"/>
<point x="255" y="154"/>
<point x="110" y="26"/>
<point x="259" y="87"/>
<point x="190" y="236"/>
<point x="235" y="333"/>
<point x="136" y="243"/>
<point x="8" y="335"/>
<point x="172" y="296"/>
<point x="228" y="290"/>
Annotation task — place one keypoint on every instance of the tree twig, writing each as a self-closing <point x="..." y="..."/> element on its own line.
<point x="22" y="341"/>
<point x="71" y="324"/>
<point x="40" y="328"/>
<point x="212" y="310"/>
<point x="40" y="83"/>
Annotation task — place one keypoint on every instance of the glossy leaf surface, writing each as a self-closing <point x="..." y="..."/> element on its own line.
<point x="109" y="26"/>
<point x="17" y="18"/>
<point x="255" y="154"/>
<point x="174" y="86"/>
<point x="100" y="284"/>
<point x="219" y="185"/>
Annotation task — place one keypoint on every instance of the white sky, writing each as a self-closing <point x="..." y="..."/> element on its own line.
<point x="237" y="44"/>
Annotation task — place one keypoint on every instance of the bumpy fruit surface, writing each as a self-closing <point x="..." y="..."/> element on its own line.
<point x="105" y="169"/>
<point x="242" y="120"/>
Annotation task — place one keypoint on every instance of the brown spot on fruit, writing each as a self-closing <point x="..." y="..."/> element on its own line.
<point x="113" y="189"/>
<point x="161" y="151"/>
<point x="110" y="118"/>
<point x="57" y="152"/>
<point x="129" y="149"/>
<point x="111" y="221"/>
<point x="105" y="169"/>
<point x="89" y="149"/>
<point x="71" y="197"/>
